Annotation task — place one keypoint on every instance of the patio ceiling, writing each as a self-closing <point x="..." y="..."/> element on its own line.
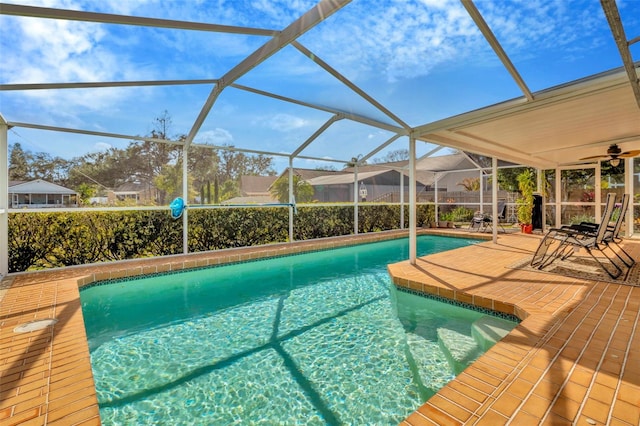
<point x="558" y="127"/>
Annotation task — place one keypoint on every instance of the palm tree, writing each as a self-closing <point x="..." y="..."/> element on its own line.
<point x="302" y="190"/>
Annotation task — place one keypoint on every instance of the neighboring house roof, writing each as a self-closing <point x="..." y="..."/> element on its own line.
<point x="308" y="174"/>
<point x="424" y="178"/>
<point x="256" y="185"/>
<point x="260" y="199"/>
<point x="38" y="186"/>
<point x="133" y="187"/>
<point x="343" y="178"/>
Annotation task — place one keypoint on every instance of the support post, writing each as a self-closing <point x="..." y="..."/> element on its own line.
<point x="401" y="200"/>
<point x="355" y="199"/>
<point x="540" y="190"/>
<point x="435" y="197"/>
<point x="629" y="189"/>
<point x="4" y="198"/>
<point x="494" y="198"/>
<point x="185" y="197"/>
<point x="291" y="199"/>
<point x="413" y="238"/>
<point x="558" y="215"/>
<point x="598" y="192"/>
<point x="481" y="193"/>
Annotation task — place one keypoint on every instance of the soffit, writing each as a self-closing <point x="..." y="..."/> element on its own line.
<point x="560" y="126"/>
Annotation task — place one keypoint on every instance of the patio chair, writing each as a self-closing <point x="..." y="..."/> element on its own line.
<point x="568" y="239"/>
<point x="482" y="222"/>
<point x="612" y="235"/>
<point x="478" y="222"/>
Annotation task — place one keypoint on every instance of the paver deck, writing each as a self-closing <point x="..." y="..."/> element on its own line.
<point x="575" y="358"/>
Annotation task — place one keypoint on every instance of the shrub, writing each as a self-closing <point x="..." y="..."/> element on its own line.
<point x="55" y="239"/>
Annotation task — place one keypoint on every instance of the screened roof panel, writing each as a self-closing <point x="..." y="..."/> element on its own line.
<point x="428" y="63"/>
<point x="553" y="42"/>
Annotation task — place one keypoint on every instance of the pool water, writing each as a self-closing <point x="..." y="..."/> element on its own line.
<point x="311" y="339"/>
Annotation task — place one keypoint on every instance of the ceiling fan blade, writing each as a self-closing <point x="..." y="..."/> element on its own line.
<point x="594" y="157"/>
<point x="628" y="154"/>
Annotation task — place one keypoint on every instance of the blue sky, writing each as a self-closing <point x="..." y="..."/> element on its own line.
<point x="422" y="59"/>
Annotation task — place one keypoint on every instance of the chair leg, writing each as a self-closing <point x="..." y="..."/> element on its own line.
<point x="629" y="261"/>
<point x="614" y="272"/>
<point x="543" y="256"/>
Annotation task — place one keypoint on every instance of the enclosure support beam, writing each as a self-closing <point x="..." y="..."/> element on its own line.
<point x="413" y="240"/>
<point x="482" y="192"/>
<point x="401" y="200"/>
<point x="355" y="199"/>
<point x="314" y="16"/>
<point x="185" y="197"/>
<point x="617" y="29"/>
<point x="436" y="176"/>
<point x="598" y="192"/>
<point x="540" y="190"/>
<point x="497" y="48"/>
<point x="291" y="199"/>
<point x="558" y="216"/>
<point x="628" y="184"/>
<point x="494" y="198"/>
<point x="4" y="198"/>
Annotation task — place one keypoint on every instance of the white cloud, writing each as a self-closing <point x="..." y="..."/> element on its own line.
<point x="400" y="39"/>
<point x="282" y="122"/>
<point x="217" y="136"/>
<point x="101" y="146"/>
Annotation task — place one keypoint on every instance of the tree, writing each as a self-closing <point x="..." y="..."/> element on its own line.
<point x="355" y="161"/>
<point x="18" y="163"/>
<point x="302" y="190"/>
<point x="393" y="156"/>
<point x="86" y="191"/>
<point x="470" y="184"/>
<point x="233" y="164"/>
<point x="229" y="190"/>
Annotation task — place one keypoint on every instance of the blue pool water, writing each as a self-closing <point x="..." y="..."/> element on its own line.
<point x="311" y="339"/>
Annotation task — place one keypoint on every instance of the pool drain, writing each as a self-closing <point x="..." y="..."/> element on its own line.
<point x="35" y="325"/>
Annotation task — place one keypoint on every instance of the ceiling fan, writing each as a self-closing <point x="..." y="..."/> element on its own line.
<point x="614" y="153"/>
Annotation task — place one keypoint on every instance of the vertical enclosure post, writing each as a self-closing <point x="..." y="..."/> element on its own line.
<point x="291" y="199"/>
<point x="413" y="238"/>
<point x="355" y="199"/>
<point x="629" y="189"/>
<point x="494" y="197"/>
<point x="481" y="209"/>
<point x="4" y="198"/>
<point x="401" y="200"/>
<point x="185" y="197"/>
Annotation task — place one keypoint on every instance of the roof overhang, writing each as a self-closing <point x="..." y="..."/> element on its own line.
<point x="559" y="126"/>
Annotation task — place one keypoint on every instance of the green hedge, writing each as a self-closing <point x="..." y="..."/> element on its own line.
<point x="48" y="240"/>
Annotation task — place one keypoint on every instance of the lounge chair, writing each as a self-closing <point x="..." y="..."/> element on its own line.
<point x="567" y="239"/>
<point x="612" y="235"/>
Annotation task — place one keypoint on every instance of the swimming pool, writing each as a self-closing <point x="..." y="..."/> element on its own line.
<point x="316" y="338"/>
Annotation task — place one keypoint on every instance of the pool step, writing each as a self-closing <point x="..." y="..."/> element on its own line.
<point x="460" y="349"/>
<point x="488" y="330"/>
<point x="432" y="364"/>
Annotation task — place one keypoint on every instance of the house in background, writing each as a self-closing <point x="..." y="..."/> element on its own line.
<point x="254" y="190"/>
<point x="140" y="192"/>
<point x="40" y="194"/>
<point x="384" y="182"/>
